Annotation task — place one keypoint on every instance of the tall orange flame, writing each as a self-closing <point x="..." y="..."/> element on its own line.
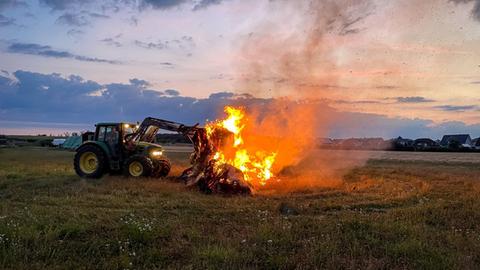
<point x="256" y="167"/>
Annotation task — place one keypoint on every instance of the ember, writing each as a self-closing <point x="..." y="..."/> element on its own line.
<point x="222" y="163"/>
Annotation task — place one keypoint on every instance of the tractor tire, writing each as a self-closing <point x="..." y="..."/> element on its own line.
<point x="90" y="162"/>
<point x="138" y="166"/>
<point x="162" y="168"/>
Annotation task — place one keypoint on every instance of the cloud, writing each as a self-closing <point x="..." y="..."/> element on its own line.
<point x="52" y="98"/>
<point x="79" y="19"/>
<point x="73" y="19"/>
<point x="203" y="4"/>
<point x="222" y="95"/>
<point x="64" y="4"/>
<point x="75" y="32"/>
<point x="453" y="108"/>
<point x="111" y="42"/>
<point x="47" y="51"/>
<point x="413" y="100"/>
<point x="182" y="43"/>
<point x="150" y="45"/>
<point x="475" y="82"/>
<point x="5" y="4"/>
<point x="6" y="21"/>
<point x="476" y="7"/>
<point x="162" y="4"/>
<point x="172" y="92"/>
<point x="140" y="83"/>
<point x="98" y="15"/>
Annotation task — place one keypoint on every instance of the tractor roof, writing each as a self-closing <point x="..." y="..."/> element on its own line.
<point x="114" y="123"/>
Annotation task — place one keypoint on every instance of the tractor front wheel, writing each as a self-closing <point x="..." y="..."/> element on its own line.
<point x="162" y="168"/>
<point x="90" y="162"/>
<point x="138" y="166"/>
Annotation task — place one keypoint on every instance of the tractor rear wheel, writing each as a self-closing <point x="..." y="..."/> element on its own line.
<point x="138" y="166"/>
<point x="90" y="162"/>
<point x="162" y="168"/>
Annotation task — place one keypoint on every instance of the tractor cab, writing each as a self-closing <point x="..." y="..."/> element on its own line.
<point x="113" y="133"/>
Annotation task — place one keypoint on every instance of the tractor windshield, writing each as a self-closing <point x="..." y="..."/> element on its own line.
<point x="128" y="130"/>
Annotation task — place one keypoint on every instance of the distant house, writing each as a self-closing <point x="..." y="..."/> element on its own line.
<point x="456" y="141"/>
<point x="476" y="143"/>
<point x="402" y="144"/>
<point x="425" y="144"/>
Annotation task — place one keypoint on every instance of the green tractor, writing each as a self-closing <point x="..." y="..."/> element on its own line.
<point x="126" y="148"/>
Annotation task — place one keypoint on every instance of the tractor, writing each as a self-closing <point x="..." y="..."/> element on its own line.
<point x="127" y="148"/>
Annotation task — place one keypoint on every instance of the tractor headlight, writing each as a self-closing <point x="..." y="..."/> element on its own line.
<point x="156" y="153"/>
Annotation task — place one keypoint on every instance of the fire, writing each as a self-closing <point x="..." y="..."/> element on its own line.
<point x="256" y="164"/>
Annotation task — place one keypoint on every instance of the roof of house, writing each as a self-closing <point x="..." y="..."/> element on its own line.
<point x="421" y="140"/>
<point x="460" y="138"/>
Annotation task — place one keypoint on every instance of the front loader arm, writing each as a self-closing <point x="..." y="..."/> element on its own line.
<point x="150" y="126"/>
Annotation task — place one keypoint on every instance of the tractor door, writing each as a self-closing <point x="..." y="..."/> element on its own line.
<point x="110" y="134"/>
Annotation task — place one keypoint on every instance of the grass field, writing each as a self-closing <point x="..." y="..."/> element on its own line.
<point x="386" y="213"/>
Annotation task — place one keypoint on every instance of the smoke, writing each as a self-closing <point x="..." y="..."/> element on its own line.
<point x="476" y="7"/>
<point x="293" y="53"/>
<point x="291" y="57"/>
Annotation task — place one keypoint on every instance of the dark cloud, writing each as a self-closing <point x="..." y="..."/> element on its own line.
<point x="413" y="100"/>
<point x="151" y="45"/>
<point x="47" y="98"/>
<point x="453" y="108"/>
<point x="98" y="15"/>
<point x="53" y="98"/>
<point x="172" y="92"/>
<point x="65" y="4"/>
<point x="203" y="4"/>
<point x="80" y="19"/>
<point x="475" y="82"/>
<point x="476" y="7"/>
<point x="139" y="83"/>
<point x="47" y="51"/>
<point x="111" y="42"/>
<point x="221" y="95"/>
<point x="117" y="5"/>
<point x="182" y="43"/>
<point x="162" y="4"/>
<point x="5" y="4"/>
<point x="75" y="32"/>
<point x="73" y="19"/>
<point x="6" y="21"/>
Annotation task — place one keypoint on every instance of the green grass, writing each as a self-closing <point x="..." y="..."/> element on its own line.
<point x="386" y="214"/>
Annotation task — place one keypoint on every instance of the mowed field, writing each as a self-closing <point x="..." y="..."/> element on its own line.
<point x="387" y="210"/>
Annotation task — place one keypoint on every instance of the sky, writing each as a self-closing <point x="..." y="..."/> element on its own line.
<point x="377" y="68"/>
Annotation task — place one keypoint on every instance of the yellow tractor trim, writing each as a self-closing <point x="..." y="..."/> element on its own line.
<point x="88" y="162"/>
<point x="135" y="169"/>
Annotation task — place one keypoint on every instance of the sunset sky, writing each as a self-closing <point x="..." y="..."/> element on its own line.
<point x="381" y="68"/>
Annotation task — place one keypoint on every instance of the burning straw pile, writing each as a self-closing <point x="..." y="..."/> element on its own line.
<point x="221" y="163"/>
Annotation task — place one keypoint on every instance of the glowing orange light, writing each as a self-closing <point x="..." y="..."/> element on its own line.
<point x="256" y="167"/>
